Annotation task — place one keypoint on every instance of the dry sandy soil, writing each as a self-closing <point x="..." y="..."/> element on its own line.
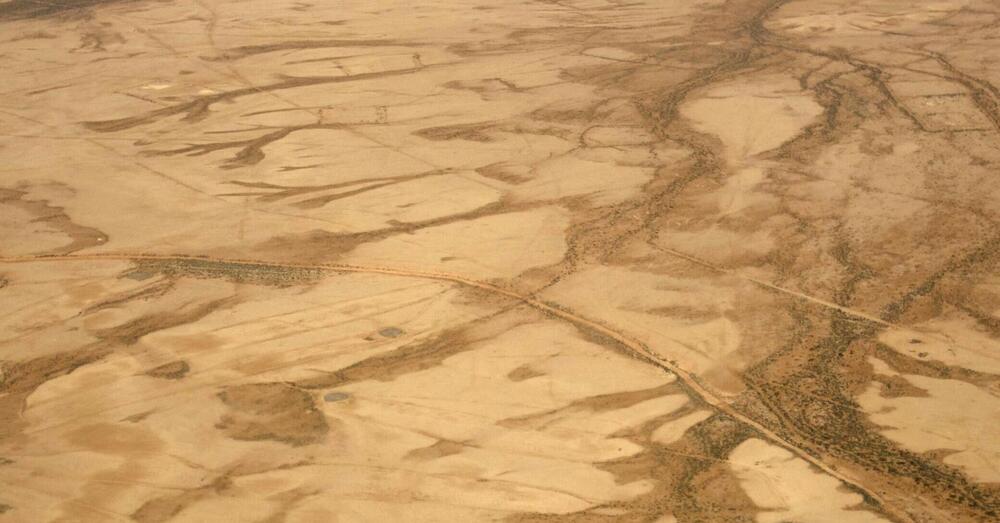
<point x="473" y="260"/>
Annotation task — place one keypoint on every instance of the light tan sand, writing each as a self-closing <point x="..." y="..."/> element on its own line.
<point x="562" y="261"/>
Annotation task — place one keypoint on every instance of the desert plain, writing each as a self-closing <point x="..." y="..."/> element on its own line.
<point x="528" y="261"/>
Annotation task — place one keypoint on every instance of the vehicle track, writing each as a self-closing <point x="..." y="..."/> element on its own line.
<point x="636" y="348"/>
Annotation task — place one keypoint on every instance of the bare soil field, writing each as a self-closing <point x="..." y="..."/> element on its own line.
<point x="529" y="261"/>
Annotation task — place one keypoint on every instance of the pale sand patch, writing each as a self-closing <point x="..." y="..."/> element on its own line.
<point x="787" y="488"/>
<point x="503" y="245"/>
<point x="94" y="414"/>
<point x="23" y="233"/>
<point x="400" y="507"/>
<point x="506" y="445"/>
<point x="955" y="415"/>
<point x="287" y="334"/>
<point x="953" y="339"/>
<point x="233" y="223"/>
<point x="751" y="118"/>
<point x="740" y="191"/>
<point x="46" y="299"/>
<point x="602" y="180"/>
<point x="479" y="378"/>
<point x="720" y="245"/>
<point x="674" y="430"/>
<point x="291" y="334"/>
<point x="680" y="319"/>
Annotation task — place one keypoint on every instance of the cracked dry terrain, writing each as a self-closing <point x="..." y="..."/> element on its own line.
<point x="468" y="260"/>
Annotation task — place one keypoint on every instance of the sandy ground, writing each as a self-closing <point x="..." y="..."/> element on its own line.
<point x="561" y="261"/>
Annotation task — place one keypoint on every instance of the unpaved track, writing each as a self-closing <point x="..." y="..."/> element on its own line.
<point x="636" y="348"/>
